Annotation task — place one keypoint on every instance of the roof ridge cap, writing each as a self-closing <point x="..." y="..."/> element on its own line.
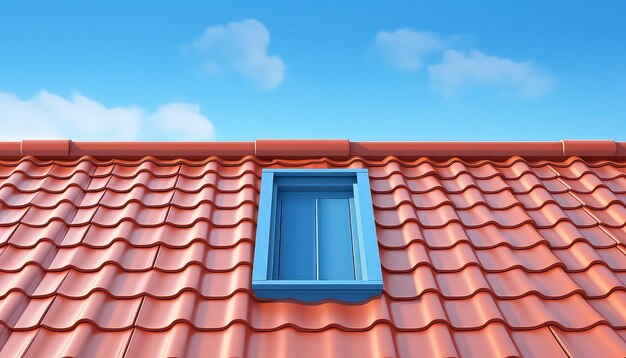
<point x="315" y="148"/>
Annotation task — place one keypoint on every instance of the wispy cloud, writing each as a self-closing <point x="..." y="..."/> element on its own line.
<point x="458" y="70"/>
<point x="409" y="50"/>
<point x="239" y="47"/>
<point x="50" y="116"/>
<point x="406" y="48"/>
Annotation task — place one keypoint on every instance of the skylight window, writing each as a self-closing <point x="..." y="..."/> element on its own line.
<point x="316" y="237"/>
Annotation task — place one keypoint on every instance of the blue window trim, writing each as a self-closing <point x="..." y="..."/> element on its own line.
<point x="370" y="283"/>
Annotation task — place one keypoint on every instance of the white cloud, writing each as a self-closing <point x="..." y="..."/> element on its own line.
<point x="50" y="116"/>
<point x="184" y="119"/>
<point x="458" y="70"/>
<point x="406" y="48"/>
<point x="240" y="47"/>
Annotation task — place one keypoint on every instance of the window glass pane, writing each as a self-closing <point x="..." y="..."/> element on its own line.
<point x="297" y="239"/>
<point x="334" y="240"/>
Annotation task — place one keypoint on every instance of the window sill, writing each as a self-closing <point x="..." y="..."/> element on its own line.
<point x="311" y="291"/>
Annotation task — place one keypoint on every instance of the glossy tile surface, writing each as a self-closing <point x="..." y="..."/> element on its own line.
<point x="154" y="258"/>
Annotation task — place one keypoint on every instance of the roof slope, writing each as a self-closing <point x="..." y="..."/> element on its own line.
<point x="154" y="257"/>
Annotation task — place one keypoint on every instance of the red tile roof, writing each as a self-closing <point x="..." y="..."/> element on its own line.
<point x="104" y="253"/>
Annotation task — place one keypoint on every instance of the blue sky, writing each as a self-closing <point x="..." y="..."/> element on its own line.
<point x="406" y="71"/>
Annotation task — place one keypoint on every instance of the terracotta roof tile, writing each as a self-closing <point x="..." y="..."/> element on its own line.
<point x="212" y="259"/>
<point x="600" y="341"/>
<point x="144" y="179"/>
<point x="154" y="257"/>
<point x="19" y="312"/>
<point x="9" y="216"/>
<point x="33" y="280"/>
<point x="103" y="311"/>
<point x="139" y="194"/>
<point x="170" y="236"/>
<point x="66" y="212"/>
<point x="56" y="232"/>
<point x="83" y="341"/>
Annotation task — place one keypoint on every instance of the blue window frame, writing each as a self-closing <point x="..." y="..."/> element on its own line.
<point x="316" y="237"/>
